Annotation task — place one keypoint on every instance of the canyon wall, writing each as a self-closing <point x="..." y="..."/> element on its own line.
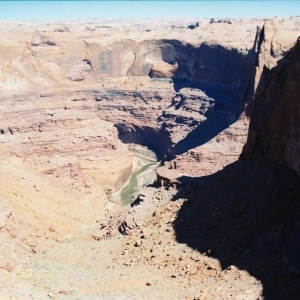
<point x="71" y="100"/>
<point x="274" y="127"/>
<point x="210" y="64"/>
<point x="170" y="89"/>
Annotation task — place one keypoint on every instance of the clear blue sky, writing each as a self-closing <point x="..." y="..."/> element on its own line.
<point x="66" y="10"/>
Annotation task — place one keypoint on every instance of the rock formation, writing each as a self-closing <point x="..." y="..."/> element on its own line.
<point x="274" y="126"/>
<point x="79" y="71"/>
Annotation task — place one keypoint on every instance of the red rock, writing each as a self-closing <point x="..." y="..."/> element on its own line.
<point x="274" y="126"/>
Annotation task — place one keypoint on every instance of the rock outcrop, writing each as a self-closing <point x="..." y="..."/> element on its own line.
<point x="80" y="71"/>
<point x="274" y="127"/>
<point x="268" y="49"/>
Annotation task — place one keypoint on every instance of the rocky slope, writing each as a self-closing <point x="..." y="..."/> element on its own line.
<point x="57" y="162"/>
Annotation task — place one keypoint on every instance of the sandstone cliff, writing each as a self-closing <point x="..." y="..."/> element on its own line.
<point x="274" y="127"/>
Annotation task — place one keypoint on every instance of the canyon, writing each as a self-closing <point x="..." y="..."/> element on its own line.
<point x="219" y="219"/>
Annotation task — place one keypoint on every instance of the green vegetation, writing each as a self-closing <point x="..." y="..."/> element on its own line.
<point x="130" y="190"/>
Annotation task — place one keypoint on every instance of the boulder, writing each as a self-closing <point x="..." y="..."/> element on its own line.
<point x="128" y="225"/>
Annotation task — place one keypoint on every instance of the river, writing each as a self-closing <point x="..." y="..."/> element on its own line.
<point x="145" y="164"/>
<point x="144" y="173"/>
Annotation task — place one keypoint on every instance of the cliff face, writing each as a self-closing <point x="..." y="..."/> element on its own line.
<point x="274" y="127"/>
<point x="208" y="63"/>
<point x="268" y="49"/>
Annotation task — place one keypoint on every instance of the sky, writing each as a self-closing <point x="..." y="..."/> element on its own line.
<point x="71" y="10"/>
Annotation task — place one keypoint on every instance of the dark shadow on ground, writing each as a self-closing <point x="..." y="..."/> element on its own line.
<point x="247" y="215"/>
<point x="228" y="107"/>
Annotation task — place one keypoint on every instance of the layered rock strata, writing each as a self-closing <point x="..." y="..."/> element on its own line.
<point x="68" y="95"/>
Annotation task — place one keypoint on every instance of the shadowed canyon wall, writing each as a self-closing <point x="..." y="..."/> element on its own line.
<point x="274" y="127"/>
